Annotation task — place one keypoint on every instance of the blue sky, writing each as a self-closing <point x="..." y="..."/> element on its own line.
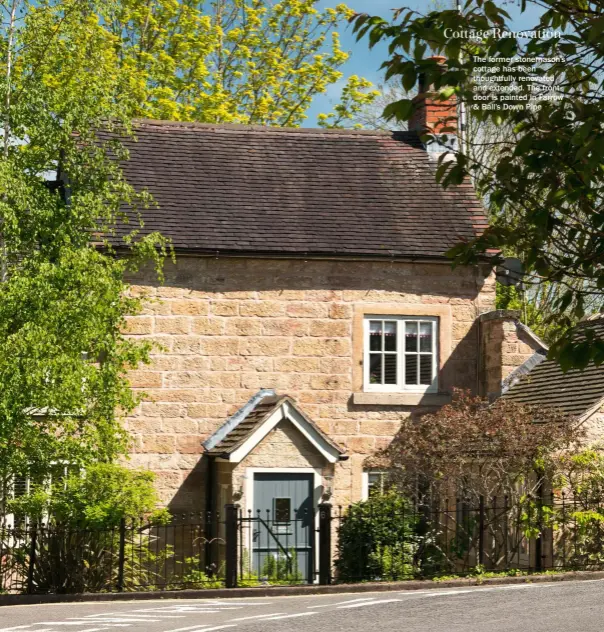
<point x="365" y="62"/>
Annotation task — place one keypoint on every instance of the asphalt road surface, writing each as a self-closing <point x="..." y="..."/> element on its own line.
<point x="556" y="607"/>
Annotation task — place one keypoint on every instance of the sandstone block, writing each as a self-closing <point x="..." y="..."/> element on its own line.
<point x="361" y="445"/>
<point x="139" y="325"/>
<point x="322" y="347"/>
<point x="196" y="363"/>
<point x="336" y="366"/>
<point x="160" y="409"/>
<point x="170" y="292"/>
<point x="219" y="346"/>
<point x="179" y="425"/>
<point x="264" y="346"/>
<point x="308" y="310"/>
<point x="158" y="443"/>
<point x="331" y="382"/>
<point x="330" y="328"/>
<point x="208" y="326"/>
<point x="224" y="308"/>
<point x="172" y="324"/>
<point x="340" y="310"/>
<point x="380" y="428"/>
<point x="285" y="327"/>
<point x="144" y="425"/>
<point x="346" y="427"/>
<point x="243" y="327"/>
<point x="281" y="295"/>
<point x="297" y="365"/>
<point x="189" y="307"/>
<point x="187" y="379"/>
<point x="189" y="444"/>
<point x="142" y="379"/>
<point x="265" y="309"/>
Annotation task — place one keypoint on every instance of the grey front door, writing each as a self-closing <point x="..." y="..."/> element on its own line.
<point x="283" y="527"/>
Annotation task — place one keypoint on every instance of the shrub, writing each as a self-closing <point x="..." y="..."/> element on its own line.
<point x="78" y="534"/>
<point x="378" y="539"/>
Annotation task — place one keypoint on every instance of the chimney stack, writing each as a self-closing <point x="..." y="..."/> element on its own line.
<point x="430" y="115"/>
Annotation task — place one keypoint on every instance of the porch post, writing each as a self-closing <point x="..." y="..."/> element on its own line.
<point x="231" y="514"/>
<point x="324" y="543"/>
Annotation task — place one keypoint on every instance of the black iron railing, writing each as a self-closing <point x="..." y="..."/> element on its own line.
<point x="240" y="548"/>
<point x="187" y="552"/>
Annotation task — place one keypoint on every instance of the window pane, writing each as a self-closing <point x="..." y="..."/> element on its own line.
<point x="374" y="483"/>
<point x="390" y="336"/>
<point x="375" y="335"/>
<point x="411" y="369"/>
<point x="410" y="336"/>
<point x="390" y="368"/>
<point x="425" y="336"/>
<point x="375" y="368"/>
<point x="282" y="509"/>
<point x="425" y="369"/>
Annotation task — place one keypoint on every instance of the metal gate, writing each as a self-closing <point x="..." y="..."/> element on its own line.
<point x="276" y="538"/>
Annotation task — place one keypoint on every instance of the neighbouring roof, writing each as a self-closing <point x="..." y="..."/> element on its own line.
<point x="574" y="392"/>
<point x="249" y="189"/>
<point x="249" y="425"/>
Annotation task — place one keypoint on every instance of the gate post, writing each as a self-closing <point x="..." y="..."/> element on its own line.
<point x="324" y="543"/>
<point x="230" y="516"/>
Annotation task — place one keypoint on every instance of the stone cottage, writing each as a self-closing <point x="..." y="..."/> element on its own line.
<point x="310" y="309"/>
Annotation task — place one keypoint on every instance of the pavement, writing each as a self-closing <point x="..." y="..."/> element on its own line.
<point x="557" y="607"/>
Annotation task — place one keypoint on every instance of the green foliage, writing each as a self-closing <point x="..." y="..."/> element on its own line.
<point x="230" y="61"/>
<point x="544" y="180"/>
<point x="98" y="498"/>
<point x="63" y="300"/>
<point x="281" y="569"/>
<point x="377" y="539"/>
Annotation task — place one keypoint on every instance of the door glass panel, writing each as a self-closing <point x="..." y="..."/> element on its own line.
<point x="282" y="509"/>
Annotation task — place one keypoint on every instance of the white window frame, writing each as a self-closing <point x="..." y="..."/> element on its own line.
<point x="400" y="386"/>
<point x="365" y="481"/>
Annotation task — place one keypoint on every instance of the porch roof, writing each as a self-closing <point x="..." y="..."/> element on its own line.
<point x="244" y="430"/>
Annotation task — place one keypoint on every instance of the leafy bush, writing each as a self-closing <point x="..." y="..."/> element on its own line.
<point x="378" y="539"/>
<point x="77" y="526"/>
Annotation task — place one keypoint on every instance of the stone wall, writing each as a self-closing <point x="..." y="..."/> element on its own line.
<point x="228" y="327"/>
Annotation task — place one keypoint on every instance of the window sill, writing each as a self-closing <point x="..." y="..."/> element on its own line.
<point x="402" y="399"/>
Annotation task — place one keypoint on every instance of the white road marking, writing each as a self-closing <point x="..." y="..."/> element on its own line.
<point x="17" y="627"/>
<point x="329" y="605"/>
<point x="113" y="615"/>
<point x="289" y="616"/>
<point x="256" y="616"/>
<point x="376" y="602"/>
<point x="191" y="627"/>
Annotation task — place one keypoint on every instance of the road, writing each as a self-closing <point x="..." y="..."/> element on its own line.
<point x="556" y="607"/>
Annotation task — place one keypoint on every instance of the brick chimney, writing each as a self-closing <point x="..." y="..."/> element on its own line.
<point x="430" y="115"/>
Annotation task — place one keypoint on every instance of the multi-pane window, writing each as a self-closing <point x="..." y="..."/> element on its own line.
<point x="400" y="353"/>
<point x="376" y="483"/>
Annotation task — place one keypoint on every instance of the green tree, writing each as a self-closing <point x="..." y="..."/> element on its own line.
<point x="231" y="61"/>
<point x="63" y="298"/>
<point x="546" y="183"/>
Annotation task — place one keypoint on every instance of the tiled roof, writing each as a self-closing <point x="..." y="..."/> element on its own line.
<point x="253" y="420"/>
<point x="574" y="392"/>
<point x="250" y="189"/>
